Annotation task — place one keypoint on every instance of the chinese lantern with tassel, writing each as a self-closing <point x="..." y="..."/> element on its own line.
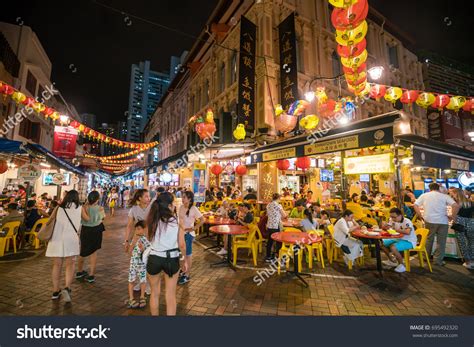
<point x="283" y="164"/>
<point x="216" y="169"/>
<point x="303" y="163"/>
<point x="469" y="105"/>
<point x="393" y="94"/>
<point x="409" y="96"/>
<point x="456" y="103"/>
<point x="377" y="91"/>
<point x="441" y="101"/>
<point x="425" y="100"/>
<point x="350" y="17"/>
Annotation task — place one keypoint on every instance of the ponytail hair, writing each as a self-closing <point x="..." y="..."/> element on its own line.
<point x="190" y="196"/>
<point x="137" y="196"/>
<point x="309" y="214"/>
<point x="160" y="212"/>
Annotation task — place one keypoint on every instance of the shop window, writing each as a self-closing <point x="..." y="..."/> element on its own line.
<point x="30" y="83"/>
<point x="393" y="56"/>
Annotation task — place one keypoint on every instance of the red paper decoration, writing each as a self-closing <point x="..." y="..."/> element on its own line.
<point x="241" y="170"/>
<point x="3" y="166"/>
<point x="441" y="101"/>
<point x="377" y="91"/>
<point x="283" y="164"/>
<point x="409" y="96"/>
<point x="350" y="17"/>
<point x="303" y="163"/>
<point x="216" y="169"/>
<point x="469" y="105"/>
<point x="354" y="51"/>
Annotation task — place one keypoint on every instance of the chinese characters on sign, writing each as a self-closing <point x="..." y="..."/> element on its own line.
<point x="65" y="142"/>
<point x="288" y="64"/>
<point x="343" y="143"/>
<point x="246" y="106"/>
<point x="280" y="154"/>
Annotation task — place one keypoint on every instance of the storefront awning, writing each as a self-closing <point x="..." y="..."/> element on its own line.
<point x="440" y="155"/>
<point x="10" y="147"/>
<point x="375" y="131"/>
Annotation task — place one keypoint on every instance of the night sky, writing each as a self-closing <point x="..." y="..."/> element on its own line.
<point x="100" y="45"/>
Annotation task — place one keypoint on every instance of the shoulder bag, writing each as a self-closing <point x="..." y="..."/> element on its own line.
<point x="46" y="231"/>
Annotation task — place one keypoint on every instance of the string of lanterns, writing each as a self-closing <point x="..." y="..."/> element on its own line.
<point x="21" y="99"/>
<point x="123" y="155"/>
<point x="127" y="161"/>
<point x="348" y="17"/>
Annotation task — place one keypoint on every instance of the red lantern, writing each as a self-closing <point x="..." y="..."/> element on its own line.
<point x="6" y="89"/>
<point x="48" y="111"/>
<point x="350" y="17"/>
<point x="241" y="170"/>
<point x="469" y="105"/>
<point x="283" y="164"/>
<point x="3" y="166"/>
<point x="441" y="101"/>
<point x="377" y="91"/>
<point x="29" y="102"/>
<point x="303" y="163"/>
<point x="354" y="51"/>
<point x="409" y="96"/>
<point x="351" y="71"/>
<point x="75" y="124"/>
<point x="216" y="169"/>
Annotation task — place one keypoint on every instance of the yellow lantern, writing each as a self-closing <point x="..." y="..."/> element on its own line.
<point x="352" y="37"/>
<point x="425" y="100"/>
<point x="321" y="95"/>
<point x="355" y="62"/>
<point x="38" y="107"/>
<point x="239" y="132"/>
<point x="342" y="3"/>
<point x="356" y="76"/>
<point x="393" y="94"/>
<point x="456" y="103"/>
<point x="309" y="122"/>
<point x="362" y="89"/>
<point x="54" y="116"/>
<point x="18" y="97"/>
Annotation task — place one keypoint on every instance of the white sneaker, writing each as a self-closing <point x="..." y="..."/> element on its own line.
<point x="390" y="263"/>
<point x="468" y="265"/>
<point x="400" y="268"/>
<point x="222" y="252"/>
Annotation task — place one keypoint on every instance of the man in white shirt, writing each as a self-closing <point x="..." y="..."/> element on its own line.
<point x="436" y="219"/>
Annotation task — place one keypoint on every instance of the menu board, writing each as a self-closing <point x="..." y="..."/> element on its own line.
<point x="370" y="164"/>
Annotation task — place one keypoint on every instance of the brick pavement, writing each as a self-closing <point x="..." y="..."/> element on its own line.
<point x="25" y="288"/>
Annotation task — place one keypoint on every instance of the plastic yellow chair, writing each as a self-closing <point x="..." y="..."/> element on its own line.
<point x="367" y="212"/>
<point x="287" y="204"/>
<point x="11" y="228"/>
<point x="334" y="252"/>
<point x="34" y="232"/>
<point x="318" y="247"/>
<point x="208" y="206"/>
<point x="420" y="248"/>
<point x="247" y="242"/>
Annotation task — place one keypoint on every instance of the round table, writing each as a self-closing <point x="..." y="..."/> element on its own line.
<point x="215" y="220"/>
<point x="298" y="239"/>
<point x="376" y="239"/>
<point x="229" y="230"/>
<point x="292" y="222"/>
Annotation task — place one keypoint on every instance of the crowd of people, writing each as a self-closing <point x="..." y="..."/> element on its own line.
<point x="162" y="225"/>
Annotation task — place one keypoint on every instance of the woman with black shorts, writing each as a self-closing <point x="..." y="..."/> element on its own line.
<point x="91" y="235"/>
<point x="167" y="252"/>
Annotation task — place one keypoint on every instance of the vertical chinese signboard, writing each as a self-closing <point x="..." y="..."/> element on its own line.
<point x="246" y="106"/>
<point x="288" y="63"/>
<point x="65" y="142"/>
<point x="199" y="182"/>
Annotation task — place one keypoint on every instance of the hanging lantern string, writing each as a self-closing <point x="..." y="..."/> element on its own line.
<point x="40" y="108"/>
<point x="419" y="91"/>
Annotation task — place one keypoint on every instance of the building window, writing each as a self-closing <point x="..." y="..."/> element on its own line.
<point x="336" y="66"/>
<point x="393" y="56"/>
<point x="233" y="68"/>
<point x="206" y="92"/>
<point x="31" y="83"/>
<point x="222" y="78"/>
<point x="30" y="130"/>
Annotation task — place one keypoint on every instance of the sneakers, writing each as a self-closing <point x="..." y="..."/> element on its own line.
<point x="184" y="279"/>
<point x="400" y="268"/>
<point x="390" y="263"/>
<point x="56" y="295"/>
<point x="222" y="252"/>
<point x="90" y="279"/>
<point x="468" y="265"/>
<point x="66" y="293"/>
<point x="81" y="274"/>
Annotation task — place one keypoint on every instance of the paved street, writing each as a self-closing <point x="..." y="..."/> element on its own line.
<point x="25" y="288"/>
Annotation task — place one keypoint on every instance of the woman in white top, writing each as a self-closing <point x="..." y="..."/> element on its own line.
<point x="351" y="247"/>
<point x="167" y="241"/>
<point x="190" y="219"/>
<point x="309" y="222"/>
<point x="138" y="211"/>
<point x="64" y="243"/>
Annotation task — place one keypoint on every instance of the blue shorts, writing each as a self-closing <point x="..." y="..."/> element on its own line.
<point x="188" y="238"/>
<point x="401" y="245"/>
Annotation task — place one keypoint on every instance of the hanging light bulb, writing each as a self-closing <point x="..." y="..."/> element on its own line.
<point x="376" y="72"/>
<point x="309" y="96"/>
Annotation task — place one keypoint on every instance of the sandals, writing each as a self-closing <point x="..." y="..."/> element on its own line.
<point x="132" y="304"/>
<point x="142" y="303"/>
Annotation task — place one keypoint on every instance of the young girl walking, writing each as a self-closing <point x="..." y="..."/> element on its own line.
<point x="137" y="271"/>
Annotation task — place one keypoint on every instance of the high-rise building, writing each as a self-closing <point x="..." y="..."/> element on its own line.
<point x="109" y="130"/>
<point x="177" y="64"/>
<point x="122" y="130"/>
<point x="146" y="89"/>
<point x="89" y="119"/>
